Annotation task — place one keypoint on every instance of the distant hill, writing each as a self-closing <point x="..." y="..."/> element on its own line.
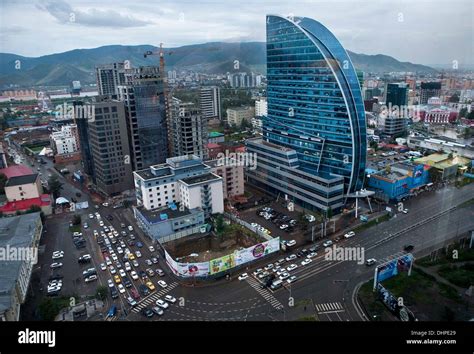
<point x="62" y="68"/>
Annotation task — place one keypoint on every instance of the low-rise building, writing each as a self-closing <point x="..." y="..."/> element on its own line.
<point x="216" y="138"/>
<point x="447" y="165"/>
<point x="437" y="144"/>
<point x="19" y="240"/>
<point x="398" y="180"/>
<point x="236" y="115"/>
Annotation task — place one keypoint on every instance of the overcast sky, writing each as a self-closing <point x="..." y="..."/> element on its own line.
<point x="421" y="31"/>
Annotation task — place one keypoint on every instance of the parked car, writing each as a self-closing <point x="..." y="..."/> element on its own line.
<point x="243" y="276"/>
<point x="327" y="243"/>
<point x="162" y="304"/>
<point x="349" y="234"/>
<point x="170" y="299"/>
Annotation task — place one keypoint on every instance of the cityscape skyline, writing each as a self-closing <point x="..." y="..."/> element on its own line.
<point x="401" y="28"/>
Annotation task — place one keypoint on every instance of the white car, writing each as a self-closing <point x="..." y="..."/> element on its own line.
<point x="112" y="270"/>
<point x="349" y="234"/>
<point x="103" y="266"/>
<point x="254" y="224"/>
<point x="122" y="273"/>
<point x="284" y="276"/>
<point x="85" y="226"/>
<point x="306" y="261"/>
<point x="291" y="243"/>
<point x="91" y="278"/>
<point x="114" y="257"/>
<point x="91" y="216"/>
<point x="170" y="298"/>
<point x="327" y="243"/>
<point x="162" y="304"/>
<point x="120" y="250"/>
<point x="151" y="248"/>
<point x="130" y="228"/>
<point x="108" y="261"/>
<point x="405" y="211"/>
<point x="121" y="288"/>
<point x="54" y="289"/>
<point x="290" y="257"/>
<point x="128" y="267"/>
<point x="291" y="279"/>
<point x="269" y="266"/>
<point x="162" y="283"/>
<point x="135" y="263"/>
<point x="134" y="275"/>
<point x="291" y="267"/>
<point x="101" y="223"/>
<point x="243" y="276"/>
<point x="138" y="254"/>
<point x="312" y="255"/>
<point x="111" y="283"/>
<point x="56" y="265"/>
<point x="58" y="255"/>
<point x="258" y="271"/>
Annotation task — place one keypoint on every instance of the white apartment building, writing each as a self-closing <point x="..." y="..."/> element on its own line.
<point x="261" y="107"/>
<point x="65" y="141"/>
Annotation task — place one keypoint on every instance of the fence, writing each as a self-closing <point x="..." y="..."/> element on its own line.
<point x="247" y="225"/>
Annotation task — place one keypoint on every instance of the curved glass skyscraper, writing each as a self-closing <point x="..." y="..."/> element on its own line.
<point x="315" y="110"/>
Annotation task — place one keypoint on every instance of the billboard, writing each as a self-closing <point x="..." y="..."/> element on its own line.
<point x="257" y="251"/>
<point x="221" y="264"/>
<point x="393" y="267"/>
<point x="198" y="269"/>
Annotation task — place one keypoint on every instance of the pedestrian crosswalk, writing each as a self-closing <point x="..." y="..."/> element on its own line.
<point x="265" y="293"/>
<point x="150" y="299"/>
<point x="329" y="307"/>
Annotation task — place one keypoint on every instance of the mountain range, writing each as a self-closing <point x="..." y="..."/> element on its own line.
<point x="218" y="57"/>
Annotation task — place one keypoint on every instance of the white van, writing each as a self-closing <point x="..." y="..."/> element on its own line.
<point x="276" y="284"/>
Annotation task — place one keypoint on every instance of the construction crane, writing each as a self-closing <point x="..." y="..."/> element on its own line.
<point x="161" y="53"/>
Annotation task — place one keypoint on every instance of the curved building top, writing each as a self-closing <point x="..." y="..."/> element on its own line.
<point x="315" y="104"/>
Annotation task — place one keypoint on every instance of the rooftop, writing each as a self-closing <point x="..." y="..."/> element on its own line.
<point x="202" y="178"/>
<point x="163" y="214"/>
<point x="20" y="180"/>
<point x="26" y="204"/>
<point x="215" y="134"/>
<point x="15" y="171"/>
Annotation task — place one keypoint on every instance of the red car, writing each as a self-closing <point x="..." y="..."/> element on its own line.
<point x="135" y="294"/>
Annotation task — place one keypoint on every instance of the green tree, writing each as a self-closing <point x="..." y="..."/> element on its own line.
<point x="463" y="112"/>
<point x="220" y="226"/>
<point x="76" y="220"/>
<point x="329" y="213"/>
<point x="101" y="292"/>
<point x="55" y="186"/>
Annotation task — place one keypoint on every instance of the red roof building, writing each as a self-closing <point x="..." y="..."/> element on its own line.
<point x="15" y="171"/>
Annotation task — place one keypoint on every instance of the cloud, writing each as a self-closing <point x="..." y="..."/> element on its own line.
<point x="65" y="13"/>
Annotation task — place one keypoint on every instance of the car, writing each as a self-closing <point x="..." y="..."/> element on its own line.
<point x="291" y="243"/>
<point x="111" y="283"/>
<point x="408" y="248"/>
<point x="108" y="261"/>
<point x="306" y="261"/>
<point x="132" y="237"/>
<point x="138" y="254"/>
<point x="284" y="276"/>
<point x="154" y="260"/>
<point x="370" y="262"/>
<point x="139" y="244"/>
<point x="291" y="267"/>
<point x="121" y="288"/>
<point x="147" y="312"/>
<point x="120" y="250"/>
<point x="91" y="216"/>
<point x="327" y="243"/>
<point x="280" y="271"/>
<point x="122" y="273"/>
<point x="118" y="264"/>
<point x="170" y="299"/>
<point x="405" y="211"/>
<point x="243" y="276"/>
<point x="162" y="304"/>
<point x="148" y="262"/>
<point x="103" y="266"/>
<point x="349" y="234"/>
<point x="91" y="278"/>
<point x="257" y="272"/>
<point x="142" y="274"/>
<point x="85" y="225"/>
<point x="86" y="258"/>
<point x="112" y="270"/>
<point x="143" y="289"/>
<point x="130" y="228"/>
<point x="268" y="266"/>
<point x="151" y="248"/>
<point x="56" y="265"/>
<point x="150" y="272"/>
<point x="114" y="293"/>
<point x="54" y="289"/>
<point x="131" y="301"/>
<point x="128" y="267"/>
<point x="135" y="263"/>
<point x="157" y="310"/>
<point x="291" y="279"/>
<point x="311" y="255"/>
<point x="134" y="275"/>
<point x="131" y="256"/>
<point x="131" y="243"/>
<point x="300" y="254"/>
<point x="117" y="279"/>
<point x="57" y="255"/>
<point x="290" y="257"/>
<point x="114" y="257"/>
<point x="160" y="272"/>
<point x="135" y="293"/>
<point x="105" y="204"/>
<point x="127" y="282"/>
<point x="162" y="283"/>
<point x="283" y="226"/>
<point x="101" y="223"/>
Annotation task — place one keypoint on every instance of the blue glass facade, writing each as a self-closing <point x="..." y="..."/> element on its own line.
<point x="315" y="104"/>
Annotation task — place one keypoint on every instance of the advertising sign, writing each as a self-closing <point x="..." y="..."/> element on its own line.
<point x="221" y="264"/>
<point x="393" y="267"/>
<point x="198" y="269"/>
<point x="257" y="251"/>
